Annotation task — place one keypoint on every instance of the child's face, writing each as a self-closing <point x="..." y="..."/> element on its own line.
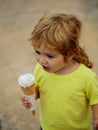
<point x="50" y="60"/>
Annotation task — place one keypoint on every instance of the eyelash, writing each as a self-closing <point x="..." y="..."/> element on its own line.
<point x="37" y="52"/>
<point x="49" y="56"/>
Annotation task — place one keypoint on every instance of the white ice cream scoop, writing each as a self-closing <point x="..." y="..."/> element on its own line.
<point x="26" y="80"/>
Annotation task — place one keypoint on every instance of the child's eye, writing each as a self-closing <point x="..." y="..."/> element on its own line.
<point x="37" y="52"/>
<point x="50" y="56"/>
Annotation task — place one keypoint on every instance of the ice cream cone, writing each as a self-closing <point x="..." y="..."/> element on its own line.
<point x="28" y="90"/>
<point x="26" y="83"/>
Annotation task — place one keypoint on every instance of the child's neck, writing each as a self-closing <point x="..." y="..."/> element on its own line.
<point x="68" y="68"/>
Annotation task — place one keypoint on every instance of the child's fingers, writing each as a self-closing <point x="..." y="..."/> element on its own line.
<point x="27" y="104"/>
<point x="25" y="101"/>
<point x="24" y="98"/>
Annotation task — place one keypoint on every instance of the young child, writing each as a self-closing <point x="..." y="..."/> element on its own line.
<point x="65" y="83"/>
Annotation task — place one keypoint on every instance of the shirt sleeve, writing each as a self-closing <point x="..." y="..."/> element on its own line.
<point x="92" y="90"/>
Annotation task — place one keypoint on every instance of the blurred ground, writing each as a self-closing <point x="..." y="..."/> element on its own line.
<point x="17" y="19"/>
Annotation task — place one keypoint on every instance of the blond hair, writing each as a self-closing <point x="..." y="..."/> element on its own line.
<point x="61" y="32"/>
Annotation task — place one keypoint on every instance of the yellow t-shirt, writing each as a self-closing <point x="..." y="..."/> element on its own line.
<point x="65" y="99"/>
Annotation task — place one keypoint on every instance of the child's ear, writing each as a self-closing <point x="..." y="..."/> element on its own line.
<point x="70" y="57"/>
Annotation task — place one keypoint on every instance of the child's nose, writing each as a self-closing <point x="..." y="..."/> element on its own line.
<point x="42" y="60"/>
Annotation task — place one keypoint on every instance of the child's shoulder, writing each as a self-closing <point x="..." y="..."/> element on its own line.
<point x="38" y="70"/>
<point x="37" y="67"/>
<point x="87" y="72"/>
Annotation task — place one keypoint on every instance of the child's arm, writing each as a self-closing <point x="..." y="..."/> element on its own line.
<point x="95" y="116"/>
<point x="37" y="94"/>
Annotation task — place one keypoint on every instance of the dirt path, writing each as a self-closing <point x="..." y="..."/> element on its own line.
<point x="17" y="19"/>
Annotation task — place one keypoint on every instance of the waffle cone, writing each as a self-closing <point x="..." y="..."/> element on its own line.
<point x="33" y="112"/>
<point x="28" y="90"/>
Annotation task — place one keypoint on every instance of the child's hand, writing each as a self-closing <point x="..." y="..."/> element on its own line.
<point x="26" y="102"/>
<point x="95" y="124"/>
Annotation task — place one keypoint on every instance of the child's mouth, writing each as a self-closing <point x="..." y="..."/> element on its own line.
<point x="46" y="68"/>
